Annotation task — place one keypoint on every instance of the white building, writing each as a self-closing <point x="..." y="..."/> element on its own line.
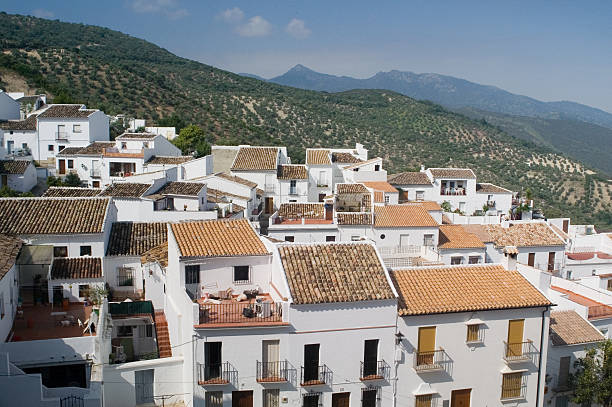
<point x="458" y="246"/>
<point x="18" y="175"/>
<point x="223" y="188"/>
<point x="20" y="137"/>
<point x="9" y="107"/>
<point x="9" y="288"/>
<point x="292" y="183"/>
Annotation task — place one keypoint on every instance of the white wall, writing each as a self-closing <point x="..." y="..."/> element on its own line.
<point x="73" y="242"/>
<point x="23" y="182"/>
<point x="411" y="192"/>
<point x="9" y="294"/>
<point x="9" y="107"/>
<point x="70" y="288"/>
<point x="392" y="236"/>
<point x="304" y="233"/>
<point x="465" y="254"/>
<point x="314" y="178"/>
<point x="284" y="196"/>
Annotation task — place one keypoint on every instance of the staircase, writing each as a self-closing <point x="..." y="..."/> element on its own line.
<point x="163" y="336"/>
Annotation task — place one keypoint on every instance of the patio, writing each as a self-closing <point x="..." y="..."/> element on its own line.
<point x="40" y="322"/>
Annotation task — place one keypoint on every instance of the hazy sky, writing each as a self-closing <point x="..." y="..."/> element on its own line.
<point x="550" y="50"/>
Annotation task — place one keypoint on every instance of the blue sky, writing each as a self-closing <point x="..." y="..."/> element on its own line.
<point x="550" y="50"/>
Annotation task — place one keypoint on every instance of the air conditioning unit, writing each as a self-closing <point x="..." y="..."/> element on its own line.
<point x="263" y="310"/>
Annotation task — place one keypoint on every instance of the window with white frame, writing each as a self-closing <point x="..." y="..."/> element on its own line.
<point x="76" y="128"/>
<point x="428" y="240"/>
<point x="387" y="198"/>
<point x="242" y="274"/>
<point x="420" y="195"/>
<point x="456" y="260"/>
<point x="125" y="277"/>
<point x="474" y="259"/>
<point x="475" y="333"/>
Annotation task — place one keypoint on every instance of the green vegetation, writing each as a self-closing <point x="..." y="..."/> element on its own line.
<point x="192" y="141"/>
<point x="6" y="192"/>
<point x="70" y="180"/>
<point x="121" y="74"/>
<point x="592" y="380"/>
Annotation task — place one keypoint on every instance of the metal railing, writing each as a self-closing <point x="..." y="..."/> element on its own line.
<point x="452" y="192"/>
<point x="408" y="250"/>
<point x="374" y="370"/>
<point x="514" y="389"/>
<point x="61" y="135"/>
<point x="550" y="267"/>
<point x="216" y="373"/>
<point x="236" y="313"/>
<point x="125" y="281"/>
<point x="273" y="372"/>
<point x="518" y="351"/>
<point x="429" y="361"/>
<point x="475" y="334"/>
<point x="315" y="375"/>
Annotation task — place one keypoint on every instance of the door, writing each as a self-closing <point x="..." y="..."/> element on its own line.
<point x="321" y="197"/>
<point x="212" y="360"/>
<point x="564" y="366"/>
<point x="515" y="337"/>
<point x="566" y="225"/>
<point x="4" y="180"/>
<point x="370" y="357"/>
<point x="9" y="146"/>
<point x="461" y="398"/>
<point x="269" y="205"/>
<point x="341" y="399"/>
<point x="62" y="167"/>
<point x="531" y="260"/>
<point x="427" y="345"/>
<point x="144" y="386"/>
<point x="270" y="358"/>
<point x="311" y="362"/>
<point x="329" y="212"/>
<point x="551" y="261"/>
<point x="170" y="203"/>
<point x="242" y="398"/>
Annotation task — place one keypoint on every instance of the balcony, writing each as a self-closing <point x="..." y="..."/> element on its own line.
<point x="430" y="361"/>
<point x="550" y="267"/>
<point x="491" y="204"/>
<point x="229" y="313"/>
<point x="452" y="191"/>
<point x="518" y="352"/>
<point x="216" y="374"/>
<point x="315" y="375"/>
<point x="374" y="370"/>
<point x="61" y="136"/>
<point x="273" y="372"/>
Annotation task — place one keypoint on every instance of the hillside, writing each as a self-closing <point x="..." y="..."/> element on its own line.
<point x="119" y="73"/>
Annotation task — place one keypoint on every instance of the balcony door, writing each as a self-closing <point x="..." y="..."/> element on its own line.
<point x="461" y="398"/>
<point x="269" y="205"/>
<point x="370" y="357"/>
<point x="515" y="337"/>
<point x="242" y="398"/>
<point x="311" y="362"/>
<point x="341" y="399"/>
<point x="212" y="360"/>
<point x="427" y="345"/>
<point x="270" y="358"/>
<point x="551" y="261"/>
<point x="531" y="260"/>
<point x="62" y="167"/>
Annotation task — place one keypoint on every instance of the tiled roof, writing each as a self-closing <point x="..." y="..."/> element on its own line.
<point x="596" y="309"/>
<point x="351" y="189"/>
<point x="158" y="159"/>
<point x="523" y="235"/>
<point x="437" y="290"/>
<point x="217" y="195"/>
<point x="135" y="238"/>
<point x="559" y="232"/>
<point x="288" y="171"/>
<point x="96" y="148"/>
<point x="345" y="158"/>
<point x="137" y="136"/>
<point x="181" y="188"/>
<point x="569" y="328"/>
<point x="28" y="124"/>
<point x="236" y="179"/>
<point x="302" y="210"/>
<point x="588" y="255"/>
<point x="480" y="231"/>
<point x="71" y="192"/>
<point x="14" y="166"/>
<point x="382" y="186"/>
<point x="66" y="112"/>
<point x="69" y="151"/>
<point x="409" y="178"/>
<point x="255" y="158"/>
<point x="486" y="188"/>
<point x="317" y="157"/>
<point x="428" y="205"/>
<point x="456" y="237"/>
<point x="353" y="218"/>
<point x="125" y="190"/>
<point x="157" y="254"/>
<point x="362" y="163"/>
<point x="33" y="216"/>
<point x="218" y="238"/>
<point x="461" y="173"/>
<point x="9" y="250"/>
<point x="76" y="268"/>
<point x="329" y="273"/>
<point x="393" y="216"/>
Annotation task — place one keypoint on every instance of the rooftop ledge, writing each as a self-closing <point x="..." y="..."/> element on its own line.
<point x="254" y="324"/>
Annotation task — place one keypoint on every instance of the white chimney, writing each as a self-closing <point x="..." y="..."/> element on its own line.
<point x="510" y="255"/>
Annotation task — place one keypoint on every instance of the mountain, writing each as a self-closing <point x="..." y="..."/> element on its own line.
<point x="252" y="76"/>
<point x="122" y="74"/>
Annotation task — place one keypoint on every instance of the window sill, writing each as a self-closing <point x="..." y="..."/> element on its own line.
<point x="512" y="399"/>
<point x="471" y="343"/>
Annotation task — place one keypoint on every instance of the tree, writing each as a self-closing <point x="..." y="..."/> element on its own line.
<point x="446" y="206"/>
<point x="192" y="140"/>
<point x="172" y="121"/>
<point x="592" y="380"/>
<point x="72" y="180"/>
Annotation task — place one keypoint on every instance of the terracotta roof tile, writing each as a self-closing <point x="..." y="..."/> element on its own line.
<point x="126" y="190"/>
<point x="382" y="186"/>
<point x="137" y="136"/>
<point x="217" y="195"/>
<point x="329" y="273"/>
<point x="171" y="160"/>
<point x="236" y="179"/>
<point x="76" y="268"/>
<point x="345" y="158"/>
<point x="181" y="188"/>
<point x="480" y="231"/>
<point x="596" y="309"/>
<point x="428" y="205"/>
<point x="135" y="238"/>
<point x="523" y="235"/>
<point x="317" y="157"/>
<point x="256" y="159"/>
<point x="66" y="112"/>
<point x="588" y="255"/>
<point x="15" y="167"/>
<point x="559" y="232"/>
<point x="362" y="163"/>
<point x="69" y="151"/>
<point x="45" y="216"/>
<point x="353" y="218"/>
<point x="218" y="238"/>
<point x="302" y="210"/>
<point x="68" y="192"/>
<point x="9" y="250"/>
<point x="28" y="124"/>
<point x="351" y="189"/>
<point x="569" y="328"/>
<point x="157" y="254"/>
<point x="438" y="290"/>
<point x="392" y="216"/>
<point x="288" y="171"/>
<point x="409" y="178"/>
<point x="486" y="188"/>
<point x="456" y="237"/>
<point x="460" y="173"/>
<point x="96" y="148"/>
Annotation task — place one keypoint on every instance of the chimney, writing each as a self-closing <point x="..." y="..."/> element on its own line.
<point x="422" y="168"/>
<point x="510" y="255"/>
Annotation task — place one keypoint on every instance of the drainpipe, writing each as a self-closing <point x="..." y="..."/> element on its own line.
<point x="542" y="336"/>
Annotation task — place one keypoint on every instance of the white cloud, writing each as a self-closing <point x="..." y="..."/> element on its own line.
<point x="42" y="13"/>
<point x="256" y="27"/>
<point x="296" y="28"/>
<point x="231" y="15"/>
<point x="169" y="8"/>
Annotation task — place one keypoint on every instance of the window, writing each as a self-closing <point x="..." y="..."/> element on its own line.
<point x="76" y="128"/>
<point x="124" y="330"/>
<point x="125" y="277"/>
<point x="85" y="251"/>
<point x="242" y="274"/>
<point x="420" y="195"/>
<point x="355" y="238"/>
<point x="214" y="399"/>
<point x="123" y="145"/>
<point x="24" y="146"/>
<point x="531" y="259"/>
<point x="293" y="187"/>
<point x="50" y="147"/>
<point x="70" y="164"/>
<point x="610" y="284"/>
<point x="333" y="239"/>
<point x="456" y="260"/>
<point x="474" y="333"/>
<point x="423" y="400"/>
<point x="370" y="358"/>
<point x="271" y="398"/>
<point x="370" y="396"/>
<point x="192" y="274"/>
<point x="512" y="385"/>
<point x="61" y="148"/>
<point x="289" y="238"/>
<point x="149" y="331"/>
<point x="377" y="167"/>
<point x="83" y="290"/>
<point x="60" y="251"/>
<point x="428" y="240"/>
<point x="474" y="259"/>
<point x="564" y="367"/>
<point x="387" y="198"/>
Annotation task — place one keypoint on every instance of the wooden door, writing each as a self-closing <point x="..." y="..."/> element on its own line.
<point x="270" y="357"/>
<point x="551" y="261"/>
<point x="531" y="260"/>
<point x="62" y="167"/>
<point x="242" y="398"/>
<point x="341" y="399"/>
<point x="427" y="345"/>
<point x="566" y="225"/>
<point x="461" y="398"/>
<point x="515" y="337"/>
<point x="269" y="205"/>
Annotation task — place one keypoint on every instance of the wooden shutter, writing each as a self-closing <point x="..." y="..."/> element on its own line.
<point x="531" y="260"/>
<point x="427" y="339"/>
<point x="515" y="337"/>
<point x="511" y="385"/>
<point x="423" y="400"/>
<point x="472" y="333"/>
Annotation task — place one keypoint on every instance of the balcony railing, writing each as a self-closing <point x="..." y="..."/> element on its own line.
<point x="518" y="352"/>
<point x="514" y="389"/>
<point x="491" y="204"/>
<point x="216" y="373"/>
<point x="61" y="135"/>
<point x="315" y="375"/>
<point x="550" y="267"/>
<point x="273" y="372"/>
<point x="452" y="191"/>
<point x="240" y="313"/>
<point x="429" y="361"/>
<point x="95" y="173"/>
<point x="374" y="370"/>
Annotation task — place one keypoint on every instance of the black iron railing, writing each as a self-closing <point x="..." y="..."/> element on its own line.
<point x="313" y="375"/>
<point x="231" y="313"/>
<point x="273" y="372"/>
<point x="217" y="373"/>
<point x="374" y="370"/>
